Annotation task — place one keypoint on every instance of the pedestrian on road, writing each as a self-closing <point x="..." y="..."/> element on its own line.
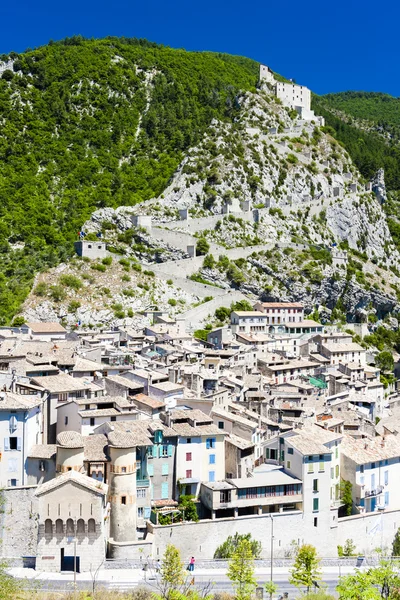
<point x="158" y="566"/>
<point x="191" y="564"/>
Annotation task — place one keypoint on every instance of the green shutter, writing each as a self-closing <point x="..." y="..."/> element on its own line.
<point x="160" y="451"/>
<point x="169" y="449"/>
<point x="150" y="470"/>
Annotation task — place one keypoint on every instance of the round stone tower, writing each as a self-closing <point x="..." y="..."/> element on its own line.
<point x="70" y="452"/>
<point x="122" y="486"/>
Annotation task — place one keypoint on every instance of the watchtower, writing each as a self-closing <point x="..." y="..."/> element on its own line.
<point x="122" y="486"/>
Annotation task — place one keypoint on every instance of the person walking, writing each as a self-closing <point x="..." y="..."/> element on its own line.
<point x="191" y="564"/>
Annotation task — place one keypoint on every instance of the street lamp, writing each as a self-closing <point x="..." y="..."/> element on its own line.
<point x="272" y="549"/>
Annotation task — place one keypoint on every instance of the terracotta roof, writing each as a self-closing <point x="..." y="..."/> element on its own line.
<point x="43" y="451"/>
<point x="61" y="383"/>
<point x="101" y="412"/>
<point x="119" y="439"/>
<point x="95" y="448"/>
<point x="73" y="477"/>
<point x="143" y="399"/>
<point x="70" y="439"/>
<point x="46" y="328"/>
<point x="11" y="401"/>
<point x="125" y="382"/>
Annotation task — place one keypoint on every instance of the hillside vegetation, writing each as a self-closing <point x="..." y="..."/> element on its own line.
<point x="93" y="123"/>
<point x="368" y="124"/>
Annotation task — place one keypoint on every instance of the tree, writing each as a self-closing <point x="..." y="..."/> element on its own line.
<point x="9" y="586"/>
<point x="385" y="362"/>
<point x="396" y="544"/>
<point x="202" y="246"/>
<point x="271" y="588"/>
<point x="346" y="490"/>
<point x="241" y="571"/>
<point x="209" y="261"/>
<point x="305" y="569"/>
<point x="349" y="548"/>
<point x="172" y="572"/>
<point x="228" y="548"/>
<point x="386" y="576"/>
<point x="357" y="587"/>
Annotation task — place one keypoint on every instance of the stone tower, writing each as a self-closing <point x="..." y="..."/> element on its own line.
<point x="70" y="452"/>
<point x="122" y="486"/>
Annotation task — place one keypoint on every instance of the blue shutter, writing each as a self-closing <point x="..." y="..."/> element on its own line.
<point x="213" y="440"/>
<point x="169" y="449"/>
<point x="151" y="492"/>
<point x="212" y="459"/>
<point x="208" y="443"/>
<point x="150" y="470"/>
<point x="211" y="476"/>
<point x="147" y="511"/>
<point x="164" y="490"/>
<point x="150" y="450"/>
<point x="19" y="443"/>
<point x="165" y="469"/>
<point x="6" y="443"/>
<point x="160" y="451"/>
<point x="386" y="498"/>
<point x="386" y="477"/>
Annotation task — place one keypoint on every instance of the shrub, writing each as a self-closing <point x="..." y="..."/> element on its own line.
<point x="40" y="289"/>
<point x="107" y="260"/>
<point x="149" y="273"/>
<point x="209" y="261"/>
<point x="73" y="306"/>
<point x="71" y="281"/>
<point x="136" y="267"/>
<point x="202" y="246"/>
<point x="98" y="267"/>
<point x="292" y="159"/>
<point x="57" y="293"/>
<point x="172" y="302"/>
<point x="124" y="262"/>
<point x="169" y="282"/>
<point x="125" y="278"/>
<point x="18" y="321"/>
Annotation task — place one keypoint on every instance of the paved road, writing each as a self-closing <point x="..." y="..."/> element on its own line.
<point x="128" y="579"/>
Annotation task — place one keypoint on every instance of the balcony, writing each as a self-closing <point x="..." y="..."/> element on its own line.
<point x="140" y="483"/>
<point x="374" y="492"/>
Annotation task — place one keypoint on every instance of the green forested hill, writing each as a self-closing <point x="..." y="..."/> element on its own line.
<point x="371" y="145"/>
<point x="92" y="123"/>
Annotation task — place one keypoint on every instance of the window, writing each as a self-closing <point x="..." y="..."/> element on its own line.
<point x="92" y="421"/>
<point x="164" y="469"/>
<point x="386" y="498"/>
<point x="123" y="499"/>
<point x="91" y="526"/>
<point x="373" y="465"/>
<point x="13" y="482"/>
<point x="188" y="440"/>
<point x="48" y="527"/>
<point x="65" y="420"/>
<point x="150" y="470"/>
<point x="63" y="397"/>
<point x="290" y="450"/>
<point x="141" y="493"/>
<point x="189" y="474"/>
<point x="211" y="460"/>
<point x="221" y="425"/>
<point x="337" y="470"/>
<point x="315" y="504"/>
<point x="164" y="490"/>
<point x="332" y="473"/>
<point x="211" y="476"/>
<point x="140" y="512"/>
<point x="336" y="452"/>
<point x="315" y="485"/>
<point x="113" y="418"/>
<point x="14" y="443"/>
<point x="321" y="466"/>
<point x="210" y="443"/>
<point x="123" y="469"/>
<point x="164" y="450"/>
<point x="311" y="467"/>
<point x="362" y="469"/>
<point x="386" y="477"/>
<point x="315" y="521"/>
<point x="188" y="456"/>
<point x="288" y="464"/>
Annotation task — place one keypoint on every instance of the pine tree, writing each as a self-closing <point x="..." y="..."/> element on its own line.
<point x="241" y="571"/>
<point x="396" y="544"/>
<point x="172" y="572"/>
<point x="305" y="569"/>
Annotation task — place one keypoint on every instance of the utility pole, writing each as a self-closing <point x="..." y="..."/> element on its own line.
<point x="75" y="563"/>
<point x="272" y="547"/>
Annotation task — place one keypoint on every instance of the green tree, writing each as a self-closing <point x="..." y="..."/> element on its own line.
<point x="172" y="572"/>
<point x="385" y="361"/>
<point x="271" y="588"/>
<point x="187" y="504"/>
<point x="241" y="571"/>
<point x="346" y="491"/>
<point x="202" y="246"/>
<point x="396" y="544"/>
<point x="359" y="586"/>
<point x="305" y="568"/>
<point x="349" y="548"/>
<point x="387" y="577"/>
<point x="228" y="548"/>
<point x="209" y="261"/>
<point x="9" y="586"/>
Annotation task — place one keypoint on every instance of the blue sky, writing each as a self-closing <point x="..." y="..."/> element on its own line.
<point x="328" y="45"/>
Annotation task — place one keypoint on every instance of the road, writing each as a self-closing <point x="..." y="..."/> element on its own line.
<point x="128" y="579"/>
